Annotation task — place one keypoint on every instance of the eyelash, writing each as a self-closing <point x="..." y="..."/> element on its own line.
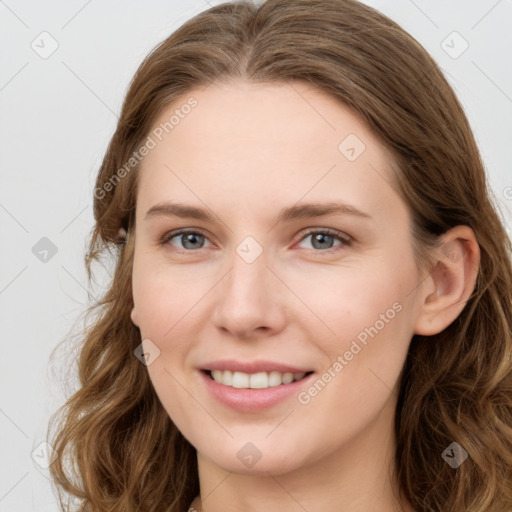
<point x="345" y="240"/>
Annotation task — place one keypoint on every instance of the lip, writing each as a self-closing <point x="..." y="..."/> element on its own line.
<point x="252" y="400"/>
<point x="252" y="366"/>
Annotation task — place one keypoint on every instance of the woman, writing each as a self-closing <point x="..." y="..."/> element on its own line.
<point x="339" y="337"/>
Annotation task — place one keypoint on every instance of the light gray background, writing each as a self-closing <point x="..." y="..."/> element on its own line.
<point x="57" y="116"/>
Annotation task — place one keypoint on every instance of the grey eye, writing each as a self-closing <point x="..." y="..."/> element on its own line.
<point x="189" y="240"/>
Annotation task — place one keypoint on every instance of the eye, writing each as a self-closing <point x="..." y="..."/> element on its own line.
<point x="323" y="239"/>
<point x="190" y="239"/>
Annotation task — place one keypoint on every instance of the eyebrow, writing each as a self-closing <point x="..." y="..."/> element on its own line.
<point x="303" y="211"/>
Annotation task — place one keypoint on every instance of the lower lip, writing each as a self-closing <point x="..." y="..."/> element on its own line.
<point x="249" y="399"/>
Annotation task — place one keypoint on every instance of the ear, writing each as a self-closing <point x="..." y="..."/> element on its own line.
<point x="133" y="316"/>
<point x="452" y="278"/>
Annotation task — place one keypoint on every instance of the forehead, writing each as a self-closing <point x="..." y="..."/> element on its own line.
<point x="264" y="143"/>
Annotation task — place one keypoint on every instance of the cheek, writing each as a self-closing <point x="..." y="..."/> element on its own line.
<point x="166" y="299"/>
<point x="365" y="355"/>
<point x="365" y="317"/>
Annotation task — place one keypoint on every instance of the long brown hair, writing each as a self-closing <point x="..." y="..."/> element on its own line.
<point x="117" y="449"/>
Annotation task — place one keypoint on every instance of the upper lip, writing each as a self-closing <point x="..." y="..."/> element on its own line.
<point x="252" y="366"/>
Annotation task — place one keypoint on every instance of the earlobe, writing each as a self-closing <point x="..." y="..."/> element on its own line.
<point x="133" y="316"/>
<point x="453" y="278"/>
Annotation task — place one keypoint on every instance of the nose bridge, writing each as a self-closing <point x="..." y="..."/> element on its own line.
<point x="249" y="274"/>
<point x="247" y="298"/>
<point x="247" y="281"/>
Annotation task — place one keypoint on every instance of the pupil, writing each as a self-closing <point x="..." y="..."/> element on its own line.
<point x="320" y="237"/>
<point x="190" y="237"/>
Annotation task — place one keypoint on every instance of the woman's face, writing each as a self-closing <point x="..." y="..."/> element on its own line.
<point x="267" y="279"/>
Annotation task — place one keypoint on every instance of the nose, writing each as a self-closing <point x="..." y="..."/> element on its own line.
<point x="250" y="300"/>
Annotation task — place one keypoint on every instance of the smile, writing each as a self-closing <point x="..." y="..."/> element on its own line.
<point x="260" y="380"/>
<point x="253" y="392"/>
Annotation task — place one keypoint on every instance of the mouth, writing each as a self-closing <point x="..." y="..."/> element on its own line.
<point x="259" y="380"/>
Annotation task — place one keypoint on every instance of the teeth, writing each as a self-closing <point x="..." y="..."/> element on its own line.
<point x="259" y="380"/>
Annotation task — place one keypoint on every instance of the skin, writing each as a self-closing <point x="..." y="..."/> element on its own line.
<point x="245" y="152"/>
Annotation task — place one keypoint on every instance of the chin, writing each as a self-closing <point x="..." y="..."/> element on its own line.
<point x="264" y="466"/>
<point x="255" y="458"/>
